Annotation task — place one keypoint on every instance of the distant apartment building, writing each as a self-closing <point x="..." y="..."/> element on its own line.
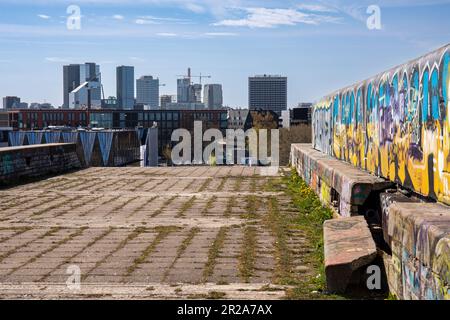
<point x="147" y="91"/>
<point x="125" y="87"/>
<point x="267" y="92"/>
<point x="213" y="96"/>
<point x="81" y="86"/>
<point x="11" y="102"/>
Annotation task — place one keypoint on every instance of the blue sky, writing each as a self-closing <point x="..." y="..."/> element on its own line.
<point x="319" y="45"/>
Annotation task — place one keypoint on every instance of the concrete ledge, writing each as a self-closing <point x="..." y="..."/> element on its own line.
<point x="338" y="184"/>
<point x="18" y="163"/>
<point x="419" y="236"/>
<point x="349" y="246"/>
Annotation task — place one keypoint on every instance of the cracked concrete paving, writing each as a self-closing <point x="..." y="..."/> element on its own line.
<point x="143" y="233"/>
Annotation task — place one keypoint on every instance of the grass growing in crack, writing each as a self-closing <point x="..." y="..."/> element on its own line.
<point x="165" y="204"/>
<point x="309" y="220"/>
<point x="238" y="184"/>
<point x="181" y="249"/>
<point x="253" y="185"/>
<point x="214" y="252"/>
<point x="18" y="231"/>
<point x="107" y="200"/>
<point x="205" y="185"/>
<point x="230" y="204"/>
<point x="52" y="207"/>
<point x="186" y="206"/>
<point x="123" y="205"/>
<point x="163" y="232"/>
<point x="47" y="234"/>
<point x="212" y="295"/>
<point x="248" y="254"/>
<point x="252" y="207"/>
<point x="222" y="184"/>
<point x="279" y="227"/>
<point x="121" y="245"/>
<point x="53" y="247"/>
<point x="209" y="205"/>
<point x="91" y="243"/>
<point x="146" y="203"/>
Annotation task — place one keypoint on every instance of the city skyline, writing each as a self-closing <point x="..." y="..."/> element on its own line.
<point x="307" y="41"/>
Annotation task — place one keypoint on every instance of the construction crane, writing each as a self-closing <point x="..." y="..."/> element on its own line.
<point x="190" y="76"/>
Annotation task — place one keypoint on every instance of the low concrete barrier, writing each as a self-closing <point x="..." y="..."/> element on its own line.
<point x="349" y="247"/>
<point x="419" y="236"/>
<point x="416" y="246"/>
<point x="18" y="163"/>
<point x="338" y="184"/>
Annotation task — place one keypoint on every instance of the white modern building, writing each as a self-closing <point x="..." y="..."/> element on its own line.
<point x="76" y="75"/>
<point x="86" y="95"/>
<point x="213" y="96"/>
<point x="147" y="91"/>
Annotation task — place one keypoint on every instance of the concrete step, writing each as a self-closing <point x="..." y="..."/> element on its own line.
<point x="334" y="180"/>
<point x="349" y="246"/>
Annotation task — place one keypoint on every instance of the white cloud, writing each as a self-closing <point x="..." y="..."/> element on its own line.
<point x="315" y="8"/>
<point x="194" y="7"/>
<point x="44" y="16"/>
<point x="220" y="34"/>
<point x="58" y="59"/>
<point x="166" y="34"/>
<point x="118" y="17"/>
<point x="137" y="59"/>
<point x="164" y="19"/>
<point x="144" y="21"/>
<point x="270" y="18"/>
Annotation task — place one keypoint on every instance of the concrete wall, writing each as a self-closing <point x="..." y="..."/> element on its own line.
<point x="18" y="163"/>
<point x="419" y="236"/>
<point x="395" y="125"/>
<point x="106" y="148"/>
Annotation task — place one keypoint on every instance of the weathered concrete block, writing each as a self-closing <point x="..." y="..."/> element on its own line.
<point x="419" y="237"/>
<point x="353" y="185"/>
<point x="349" y="246"/>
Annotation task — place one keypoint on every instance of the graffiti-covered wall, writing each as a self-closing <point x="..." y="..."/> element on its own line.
<point x="395" y="125"/>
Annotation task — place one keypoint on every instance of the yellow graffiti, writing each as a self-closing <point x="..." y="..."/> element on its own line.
<point x="401" y="138"/>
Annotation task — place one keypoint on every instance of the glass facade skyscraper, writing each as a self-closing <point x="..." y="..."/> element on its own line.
<point x="125" y="87"/>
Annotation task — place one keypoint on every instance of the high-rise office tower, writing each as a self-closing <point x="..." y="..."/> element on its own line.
<point x="78" y="78"/>
<point x="147" y="91"/>
<point x="213" y="96"/>
<point x="125" y="87"/>
<point x="183" y="90"/>
<point x="267" y="92"/>
<point x="11" y="102"/>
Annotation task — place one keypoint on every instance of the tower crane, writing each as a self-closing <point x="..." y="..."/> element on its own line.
<point x="190" y="76"/>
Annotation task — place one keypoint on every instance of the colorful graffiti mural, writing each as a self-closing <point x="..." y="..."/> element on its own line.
<point x="395" y="125"/>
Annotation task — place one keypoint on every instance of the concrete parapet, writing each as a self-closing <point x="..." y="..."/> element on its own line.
<point x="419" y="237"/>
<point x="338" y="184"/>
<point x="349" y="246"/>
<point x="33" y="161"/>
